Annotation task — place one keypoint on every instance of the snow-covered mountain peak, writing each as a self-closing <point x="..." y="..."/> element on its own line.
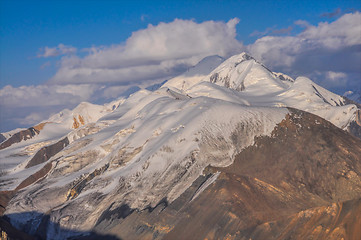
<point x="205" y="66"/>
<point x="241" y="79"/>
<point x="81" y="115"/>
<point x="238" y="58"/>
<point x="242" y="72"/>
<point x="305" y="86"/>
<point x="194" y="74"/>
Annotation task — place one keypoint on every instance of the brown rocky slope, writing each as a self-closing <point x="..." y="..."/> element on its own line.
<point x="303" y="182"/>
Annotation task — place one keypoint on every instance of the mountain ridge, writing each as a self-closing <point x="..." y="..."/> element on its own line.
<point x="156" y="149"/>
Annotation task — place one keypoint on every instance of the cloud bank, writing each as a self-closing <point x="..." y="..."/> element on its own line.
<point x="160" y="51"/>
<point x="316" y="51"/>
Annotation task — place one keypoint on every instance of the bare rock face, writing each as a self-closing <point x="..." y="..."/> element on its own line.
<point x="78" y="122"/>
<point x="302" y="182"/>
<point x="5" y="197"/>
<point x="45" y="153"/>
<point x="337" y="221"/>
<point x="19" y="136"/>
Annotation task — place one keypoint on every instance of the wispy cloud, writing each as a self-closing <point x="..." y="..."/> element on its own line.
<point x="45" y="65"/>
<point x="333" y="14"/>
<point x="282" y="31"/>
<point x="143" y="17"/>
<point x="61" y="49"/>
<point x="272" y="31"/>
<point x="302" y="23"/>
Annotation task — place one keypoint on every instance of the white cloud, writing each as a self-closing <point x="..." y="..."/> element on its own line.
<point x="28" y="105"/>
<point x="160" y="51"/>
<point x="332" y="80"/>
<point x="276" y="51"/>
<point x="31" y="119"/>
<point x="346" y="31"/>
<point x="302" y="23"/>
<point x="61" y="49"/>
<point x="335" y="76"/>
<point x="45" y="95"/>
<point x="325" y="48"/>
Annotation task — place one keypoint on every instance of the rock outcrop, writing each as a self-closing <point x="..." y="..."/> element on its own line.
<point x="19" y="136"/>
<point x="45" y="153"/>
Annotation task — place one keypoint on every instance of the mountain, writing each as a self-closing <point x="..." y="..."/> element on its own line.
<point x="194" y="74"/>
<point x="227" y="150"/>
<point x="244" y="80"/>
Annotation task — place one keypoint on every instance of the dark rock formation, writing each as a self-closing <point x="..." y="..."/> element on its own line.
<point x="45" y="153"/>
<point x="35" y="177"/>
<point x="19" y="136"/>
<point x="5" y="197"/>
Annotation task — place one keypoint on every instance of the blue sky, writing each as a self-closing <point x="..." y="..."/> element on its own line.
<point x="55" y="54"/>
<point x="27" y="26"/>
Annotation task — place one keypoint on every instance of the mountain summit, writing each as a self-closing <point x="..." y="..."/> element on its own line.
<point x="227" y="150"/>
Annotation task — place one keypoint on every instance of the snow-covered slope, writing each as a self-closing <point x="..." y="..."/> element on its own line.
<point x="242" y="72"/>
<point x="252" y="84"/>
<point x="154" y="150"/>
<point x="308" y="96"/>
<point x="195" y="74"/>
<point x="83" y="114"/>
<point x="15" y="157"/>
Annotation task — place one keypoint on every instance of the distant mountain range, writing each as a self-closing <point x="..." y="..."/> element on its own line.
<point x="227" y="150"/>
